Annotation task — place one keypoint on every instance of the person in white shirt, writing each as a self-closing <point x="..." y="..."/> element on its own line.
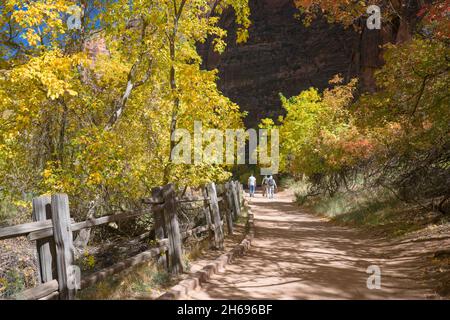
<point x="252" y="185"/>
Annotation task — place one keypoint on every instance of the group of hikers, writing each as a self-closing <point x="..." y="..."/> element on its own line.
<point x="268" y="186"/>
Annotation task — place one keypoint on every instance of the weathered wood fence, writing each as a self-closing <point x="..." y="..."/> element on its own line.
<point x="53" y="230"/>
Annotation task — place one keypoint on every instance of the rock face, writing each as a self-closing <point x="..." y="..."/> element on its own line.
<point x="280" y="56"/>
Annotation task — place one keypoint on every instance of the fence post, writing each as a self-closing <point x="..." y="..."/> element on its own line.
<point x="158" y="217"/>
<point x="67" y="278"/>
<point x="237" y="207"/>
<point x="172" y="229"/>
<point x="230" y="200"/>
<point x="45" y="247"/>
<point x="238" y="192"/>
<point x="207" y="210"/>
<point x="214" y="205"/>
<point x="229" y="208"/>
<point x="241" y="194"/>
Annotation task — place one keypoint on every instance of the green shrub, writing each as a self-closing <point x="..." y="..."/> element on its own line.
<point x="12" y="284"/>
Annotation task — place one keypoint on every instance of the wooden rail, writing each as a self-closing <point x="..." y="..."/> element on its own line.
<point x="77" y="226"/>
<point x="25" y="229"/>
<point x="40" y="292"/>
<point x="52" y="229"/>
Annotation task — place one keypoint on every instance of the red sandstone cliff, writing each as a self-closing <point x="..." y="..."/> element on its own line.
<point x="283" y="56"/>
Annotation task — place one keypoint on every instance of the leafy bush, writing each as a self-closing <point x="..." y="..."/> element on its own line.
<point x="396" y="138"/>
<point x="12" y="284"/>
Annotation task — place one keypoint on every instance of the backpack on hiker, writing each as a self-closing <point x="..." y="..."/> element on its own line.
<point x="271" y="182"/>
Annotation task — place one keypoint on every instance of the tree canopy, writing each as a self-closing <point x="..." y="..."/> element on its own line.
<point x="91" y="110"/>
<point x="396" y="137"/>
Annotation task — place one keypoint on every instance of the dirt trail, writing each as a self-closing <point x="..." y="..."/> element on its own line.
<point x="299" y="256"/>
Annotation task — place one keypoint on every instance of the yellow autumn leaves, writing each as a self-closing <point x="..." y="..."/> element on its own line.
<point x="60" y="90"/>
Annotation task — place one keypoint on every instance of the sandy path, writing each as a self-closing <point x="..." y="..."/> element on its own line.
<point x="299" y="256"/>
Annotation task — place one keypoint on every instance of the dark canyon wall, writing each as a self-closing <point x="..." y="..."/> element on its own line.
<point x="280" y="56"/>
<point x="283" y="56"/>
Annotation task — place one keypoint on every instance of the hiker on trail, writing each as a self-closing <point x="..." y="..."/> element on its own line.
<point x="272" y="185"/>
<point x="265" y="186"/>
<point x="252" y="185"/>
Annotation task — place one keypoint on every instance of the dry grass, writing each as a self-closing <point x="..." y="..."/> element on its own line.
<point x="440" y="271"/>
<point x="144" y="281"/>
<point x="18" y="266"/>
<point x="374" y="209"/>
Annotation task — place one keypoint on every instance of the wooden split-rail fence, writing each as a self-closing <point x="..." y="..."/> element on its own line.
<point x="52" y="229"/>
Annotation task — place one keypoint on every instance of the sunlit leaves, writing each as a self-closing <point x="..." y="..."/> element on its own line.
<point x="411" y="107"/>
<point x="59" y="89"/>
<point x="41" y="21"/>
<point x="400" y="126"/>
<point x="318" y="132"/>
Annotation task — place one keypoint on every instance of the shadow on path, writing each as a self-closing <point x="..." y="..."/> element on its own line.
<point x="299" y="256"/>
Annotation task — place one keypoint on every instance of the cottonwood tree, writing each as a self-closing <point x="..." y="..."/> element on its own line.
<point x="396" y="137"/>
<point x="90" y="111"/>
